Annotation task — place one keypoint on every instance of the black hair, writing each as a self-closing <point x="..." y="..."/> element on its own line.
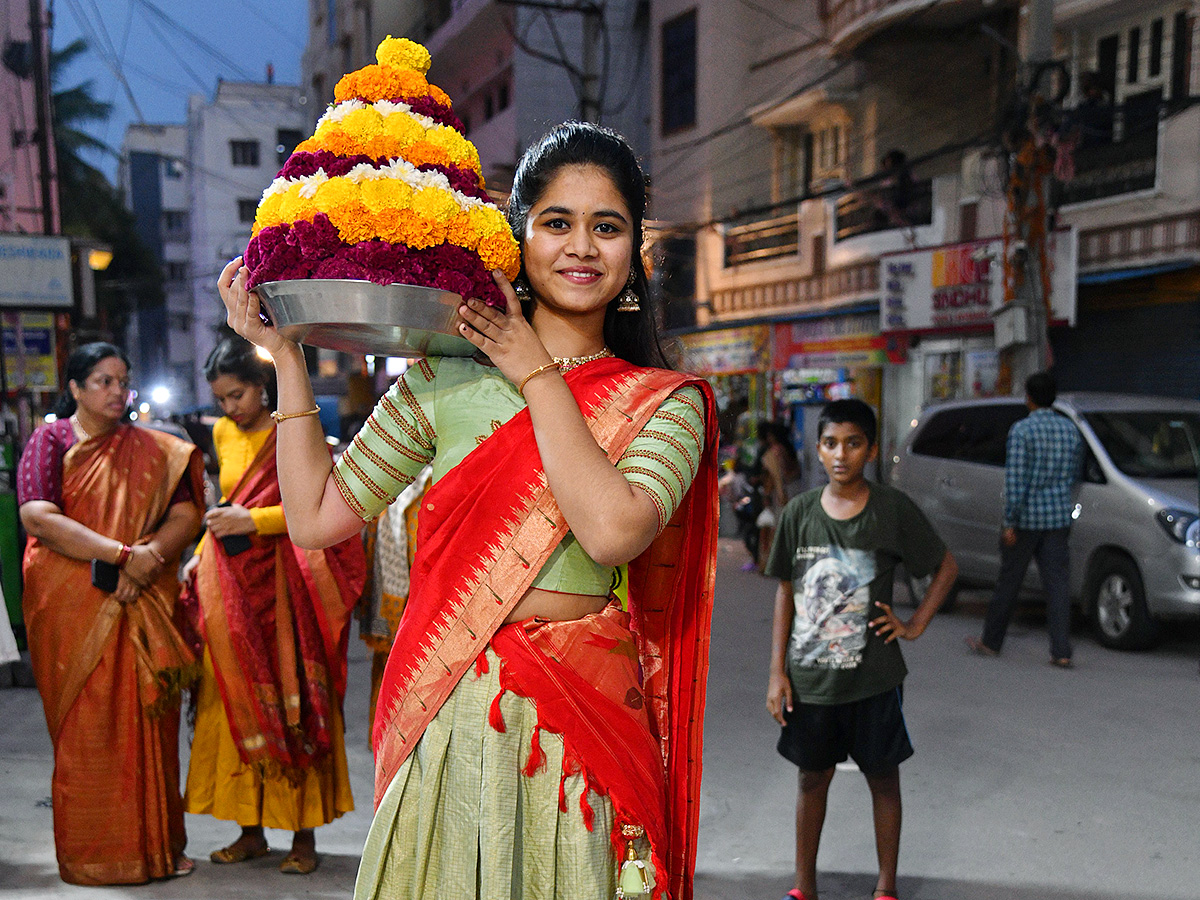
<point x="239" y="358"/>
<point x="631" y="336"/>
<point x="80" y="364"/>
<point x="779" y="432"/>
<point x="1041" y="388"/>
<point x="851" y="411"/>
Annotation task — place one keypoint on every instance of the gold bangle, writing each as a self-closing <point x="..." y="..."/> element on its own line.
<point x="279" y="417"/>
<point x="538" y="371"/>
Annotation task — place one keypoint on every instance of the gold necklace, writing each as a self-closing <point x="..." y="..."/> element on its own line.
<point x="567" y="363"/>
<point x="78" y="427"/>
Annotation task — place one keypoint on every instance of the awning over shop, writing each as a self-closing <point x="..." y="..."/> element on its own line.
<point x="1136" y="272"/>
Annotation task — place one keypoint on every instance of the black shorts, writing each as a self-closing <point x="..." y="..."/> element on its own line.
<point x="869" y="731"/>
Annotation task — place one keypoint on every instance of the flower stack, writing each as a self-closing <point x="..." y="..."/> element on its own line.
<point x="387" y="190"/>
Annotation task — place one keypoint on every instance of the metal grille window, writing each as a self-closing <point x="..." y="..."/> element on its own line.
<point x="679" y="73"/>
<point x="243" y="153"/>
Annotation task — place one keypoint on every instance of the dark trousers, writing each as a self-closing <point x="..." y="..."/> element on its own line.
<point x="1050" y="550"/>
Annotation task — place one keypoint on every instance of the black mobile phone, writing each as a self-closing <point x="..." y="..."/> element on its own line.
<point x="234" y="543"/>
<point x="104" y="575"/>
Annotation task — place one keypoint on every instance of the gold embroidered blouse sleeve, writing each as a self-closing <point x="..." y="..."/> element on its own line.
<point x="397" y="441"/>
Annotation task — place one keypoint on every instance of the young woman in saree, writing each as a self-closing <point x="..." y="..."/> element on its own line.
<point x="529" y="728"/>
<point x="269" y="748"/>
<point x="109" y="663"/>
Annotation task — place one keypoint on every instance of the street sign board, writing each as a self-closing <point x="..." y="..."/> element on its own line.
<point x="35" y="271"/>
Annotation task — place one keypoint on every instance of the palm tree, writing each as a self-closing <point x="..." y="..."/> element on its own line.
<point x="90" y="206"/>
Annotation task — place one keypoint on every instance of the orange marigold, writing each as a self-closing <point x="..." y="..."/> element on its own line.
<point x="424" y="152"/>
<point x="500" y="251"/>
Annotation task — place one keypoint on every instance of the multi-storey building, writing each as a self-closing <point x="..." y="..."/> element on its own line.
<point x="833" y="183"/>
<point x="153" y="180"/>
<point x="237" y="141"/>
<point x="21" y="206"/>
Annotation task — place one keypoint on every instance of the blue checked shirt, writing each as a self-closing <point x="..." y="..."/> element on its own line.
<point x="1044" y="456"/>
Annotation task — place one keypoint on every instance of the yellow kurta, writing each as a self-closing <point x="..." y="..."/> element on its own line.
<point x="218" y="782"/>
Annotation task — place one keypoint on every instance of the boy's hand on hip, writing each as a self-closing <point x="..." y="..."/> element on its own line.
<point x="779" y="696"/>
<point x="889" y="626"/>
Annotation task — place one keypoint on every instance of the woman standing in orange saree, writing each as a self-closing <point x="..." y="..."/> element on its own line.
<point x="269" y="747"/>
<point x="531" y="732"/>
<point x="98" y="493"/>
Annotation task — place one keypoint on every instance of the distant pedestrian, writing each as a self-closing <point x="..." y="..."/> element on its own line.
<point x="109" y="507"/>
<point x="836" y="672"/>
<point x="780" y="474"/>
<point x="1042" y="464"/>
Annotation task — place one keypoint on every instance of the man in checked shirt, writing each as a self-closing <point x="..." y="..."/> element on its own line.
<point x="1042" y="463"/>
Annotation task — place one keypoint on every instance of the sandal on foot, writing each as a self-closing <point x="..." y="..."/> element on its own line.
<point x="978" y="647"/>
<point x="236" y="853"/>
<point x="298" y="865"/>
<point x="794" y="894"/>
<point x="184" y="865"/>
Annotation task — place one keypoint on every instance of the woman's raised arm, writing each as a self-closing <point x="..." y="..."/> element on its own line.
<point x="316" y="513"/>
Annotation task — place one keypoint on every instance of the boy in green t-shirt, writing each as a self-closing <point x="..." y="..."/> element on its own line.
<point x="836" y="669"/>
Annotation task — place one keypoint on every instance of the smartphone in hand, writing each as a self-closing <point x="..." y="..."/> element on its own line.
<point x="234" y="543"/>
<point x="105" y="575"/>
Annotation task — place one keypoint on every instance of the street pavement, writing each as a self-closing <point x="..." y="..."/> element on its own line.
<point x="1029" y="783"/>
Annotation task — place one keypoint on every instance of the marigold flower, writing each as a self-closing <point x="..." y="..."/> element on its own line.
<point x="500" y="251"/>
<point x="403" y="53"/>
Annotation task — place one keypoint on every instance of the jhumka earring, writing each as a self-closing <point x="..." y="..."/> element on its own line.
<point x="628" y="302"/>
<point x="636" y="878"/>
<point x="521" y="289"/>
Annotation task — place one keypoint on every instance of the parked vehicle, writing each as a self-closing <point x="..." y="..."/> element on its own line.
<point x="1135" y="542"/>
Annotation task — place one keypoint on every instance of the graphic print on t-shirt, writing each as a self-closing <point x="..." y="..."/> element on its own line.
<point x="829" y="630"/>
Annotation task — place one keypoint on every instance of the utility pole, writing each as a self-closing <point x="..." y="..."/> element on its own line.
<point x="45" y="127"/>
<point x="593" y="21"/>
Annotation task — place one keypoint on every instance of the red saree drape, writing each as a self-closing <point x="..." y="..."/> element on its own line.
<point x="109" y="674"/>
<point x="275" y="619"/>
<point x="485" y="530"/>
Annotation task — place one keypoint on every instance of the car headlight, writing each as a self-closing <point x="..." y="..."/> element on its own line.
<point x="1181" y="525"/>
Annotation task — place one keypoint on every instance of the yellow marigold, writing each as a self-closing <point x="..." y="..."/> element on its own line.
<point x="500" y="251"/>
<point x="489" y="221"/>
<point x="379" y="194"/>
<point x="436" y="204"/>
<point x="454" y="144"/>
<point x="404" y="128"/>
<point x="294" y="208"/>
<point x="403" y="53"/>
<point x="335" y="193"/>
<point x="268" y="211"/>
<point x="363" y="124"/>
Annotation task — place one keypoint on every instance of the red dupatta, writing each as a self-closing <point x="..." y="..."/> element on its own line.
<point x="485" y="531"/>
<point x="275" y="619"/>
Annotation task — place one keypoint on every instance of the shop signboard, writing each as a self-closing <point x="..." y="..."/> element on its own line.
<point x="35" y="271"/>
<point x="832" y="342"/>
<point x="959" y="287"/>
<point x="29" y="358"/>
<point x="728" y="351"/>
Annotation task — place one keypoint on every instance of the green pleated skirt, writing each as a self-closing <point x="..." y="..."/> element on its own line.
<point x="461" y="821"/>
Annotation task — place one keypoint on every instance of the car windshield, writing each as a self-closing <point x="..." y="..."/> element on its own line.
<point x="1149" y="444"/>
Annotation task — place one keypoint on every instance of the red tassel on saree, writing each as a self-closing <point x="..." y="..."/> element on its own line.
<point x="109" y="675"/>
<point x="485" y="531"/>
<point x="275" y="620"/>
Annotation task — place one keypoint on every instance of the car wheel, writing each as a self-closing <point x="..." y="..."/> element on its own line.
<point x="1117" y="603"/>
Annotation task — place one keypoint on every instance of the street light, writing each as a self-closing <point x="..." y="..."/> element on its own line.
<point x="160" y="395"/>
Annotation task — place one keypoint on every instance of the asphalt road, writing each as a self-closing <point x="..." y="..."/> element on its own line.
<point x="1029" y="783"/>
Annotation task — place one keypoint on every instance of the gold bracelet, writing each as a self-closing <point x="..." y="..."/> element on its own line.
<point x="279" y="417"/>
<point x="538" y="371"/>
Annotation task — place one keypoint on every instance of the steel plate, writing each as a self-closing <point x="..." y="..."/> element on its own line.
<point x="363" y="317"/>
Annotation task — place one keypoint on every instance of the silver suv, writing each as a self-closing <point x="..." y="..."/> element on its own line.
<point x="1135" y="542"/>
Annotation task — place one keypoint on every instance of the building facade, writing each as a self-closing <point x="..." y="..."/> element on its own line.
<point x="841" y="186"/>
<point x="237" y="142"/>
<point x="153" y="180"/>
<point x="21" y="195"/>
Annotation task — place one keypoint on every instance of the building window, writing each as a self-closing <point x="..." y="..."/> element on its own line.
<point x="175" y="271"/>
<point x="502" y="96"/>
<point x="1134" y="61"/>
<point x="1154" y="63"/>
<point x="244" y="153"/>
<point x="679" y="73"/>
<point x="179" y="321"/>
<point x="286" y="140"/>
<point x="246" y="210"/>
<point x="172" y="168"/>
<point x="174" y="223"/>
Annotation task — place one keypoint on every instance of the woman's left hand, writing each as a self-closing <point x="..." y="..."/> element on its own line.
<point x="505" y="336"/>
<point x="127" y="589"/>
<point x="223" y="521"/>
<point x="142" y="567"/>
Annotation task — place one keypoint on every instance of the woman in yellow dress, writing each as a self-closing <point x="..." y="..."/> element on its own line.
<point x="269" y="746"/>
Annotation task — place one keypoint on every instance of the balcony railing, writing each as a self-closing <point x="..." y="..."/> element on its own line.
<point x="1109" y="170"/>
<point x="764" y="299"/>
<point x="1138" y="242"/>
<point x="879" y="209"/>
<point x="765" y="235"/>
